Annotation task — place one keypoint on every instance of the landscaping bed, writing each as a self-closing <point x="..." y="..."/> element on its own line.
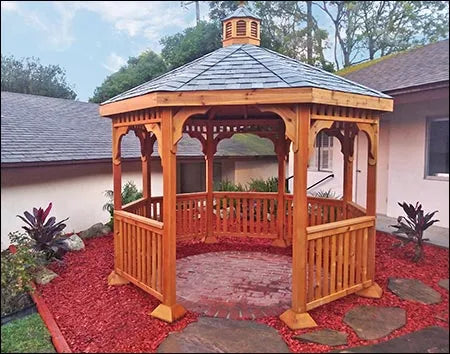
<point x="95" y="317"/>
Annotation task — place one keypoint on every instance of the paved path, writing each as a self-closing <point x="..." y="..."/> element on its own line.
<point x="438" y="236"/>
<point x="235" y="284"/>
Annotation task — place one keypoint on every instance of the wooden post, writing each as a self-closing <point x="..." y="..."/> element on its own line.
<point x="348" y="167"/>
<point x="297" y="317"/>
<point x="373" y="291"/>
<point x="169" y="310"/>
<point x="281" y="155"/>
<point x="209" y="160"/>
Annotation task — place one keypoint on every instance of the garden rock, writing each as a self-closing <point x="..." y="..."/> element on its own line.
<point x="324" y="336"/>
<point x="44" y="276"/>
<point x="216" y="335"/>
<point x="414" y="290"/>
<point x="443" y="283"/>
<point x="373" y="322"/>
<point x="95" y="230"/>
<point x="74" y="243"/>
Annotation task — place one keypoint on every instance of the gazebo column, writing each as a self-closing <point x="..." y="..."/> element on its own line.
<point x="209" y="161"/>
<point x="169" y="310"/>
<point x="281" y="156"/>
<point x="297" y="317"/>
<point x="373" y="291"/>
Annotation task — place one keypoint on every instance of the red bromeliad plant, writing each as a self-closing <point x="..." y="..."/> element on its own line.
<point x="413" y="226"/>
<point x="45" y="235"/>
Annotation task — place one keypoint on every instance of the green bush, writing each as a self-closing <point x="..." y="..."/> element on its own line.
<point x="262" y="185"/>
<point x="130" y="193"/>
<point x="228" y="186"/>
<point x="330" y="194"/>
<point x="18" y="262"/>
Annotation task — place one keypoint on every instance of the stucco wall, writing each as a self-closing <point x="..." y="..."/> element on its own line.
<point x="244" y="171"/>
<point x="76" y="191"/>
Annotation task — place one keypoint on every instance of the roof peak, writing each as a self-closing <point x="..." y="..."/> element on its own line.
<point x="240" y="12"/>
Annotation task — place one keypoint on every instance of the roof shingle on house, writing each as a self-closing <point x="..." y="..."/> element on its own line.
<point x="39" y="129"/>
<point x="416" y="67"/>
<point x="245" y="66"/>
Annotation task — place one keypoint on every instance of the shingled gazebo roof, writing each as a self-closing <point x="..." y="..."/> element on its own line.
<point x="240" y="12"/>
<point x="245" y="66"/>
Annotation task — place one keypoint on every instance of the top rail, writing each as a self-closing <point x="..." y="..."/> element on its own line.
<point x="146" y="222"/>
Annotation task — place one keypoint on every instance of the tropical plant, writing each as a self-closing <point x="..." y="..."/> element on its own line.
<point x="262" y="185"/>
<point x="413" y="226"/>
<point x="330" y="194"/>
<point x="46" y="235"/>
<point x="130" y="193"/>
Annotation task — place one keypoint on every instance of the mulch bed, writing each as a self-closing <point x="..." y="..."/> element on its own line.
<point x="95" y="317"/>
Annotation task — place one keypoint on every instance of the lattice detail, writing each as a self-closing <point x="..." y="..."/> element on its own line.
<point x="143" y="116"/>
<point x="338" y="113"/>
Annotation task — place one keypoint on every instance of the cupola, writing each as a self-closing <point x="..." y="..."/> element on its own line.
<point x="241" y="27"/>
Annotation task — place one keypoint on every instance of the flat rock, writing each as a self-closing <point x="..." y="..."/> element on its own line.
<point x="443" y="283"/>
<point x="74" y="243"/>
<point x="324" y="336"/>
<point x="373" y="322"/>
<point x="427" y="340"/>
<point x="44" y="276"/>
<point x="95" y="230"/>
<point x="217" y="335"/>
<point x="414" y="290"/>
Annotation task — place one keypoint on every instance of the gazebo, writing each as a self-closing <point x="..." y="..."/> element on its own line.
<point x="244" y="88"/>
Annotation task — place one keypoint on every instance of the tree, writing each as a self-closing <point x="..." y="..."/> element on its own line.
<point x="185" y="4"/>
<point x="145" y="67"/>
<point x="28" y="75"/>
<point x="191" y="44"/>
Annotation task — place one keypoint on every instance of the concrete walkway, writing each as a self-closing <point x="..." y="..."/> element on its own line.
<point x="438" y="236"/>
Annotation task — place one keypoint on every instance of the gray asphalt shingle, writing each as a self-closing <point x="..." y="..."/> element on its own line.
<point x="245" y="66"/>
<point x="46" y="129"/>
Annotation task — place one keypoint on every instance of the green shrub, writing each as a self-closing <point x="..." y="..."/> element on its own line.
<point x="262" y="185"/>
<point x="130" y="193"/>
<point x="330" y="194"/>
<point x="228" y="186"/>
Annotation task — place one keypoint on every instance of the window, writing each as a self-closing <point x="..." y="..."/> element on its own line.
<point x="322" y="159"/>
<point x="437" y="148"/>
<point x="241" y="28"/>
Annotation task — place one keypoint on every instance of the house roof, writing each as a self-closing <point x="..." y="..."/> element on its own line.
<point x="419" y="66"/>
<point x="46" y="129"/>
<point x="241" y="11"/>
<point x="245" y="66"/>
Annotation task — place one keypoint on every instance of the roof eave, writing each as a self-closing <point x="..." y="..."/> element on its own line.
<point x="245" y="97"/>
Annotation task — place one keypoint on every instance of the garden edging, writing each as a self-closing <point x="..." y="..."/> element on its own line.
<point x="58" y="339"/>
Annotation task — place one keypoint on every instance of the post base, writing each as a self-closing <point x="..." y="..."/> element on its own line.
<point x="279" y="242"/>
<point x="373" y="292"/>
<point x="296" y="320"/>
<point x="211" y="239"/>
<point x="168" y="313"/>
<point x="116" y="279"/>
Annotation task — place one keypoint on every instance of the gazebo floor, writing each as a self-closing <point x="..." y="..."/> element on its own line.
<point x="235" y="284"/>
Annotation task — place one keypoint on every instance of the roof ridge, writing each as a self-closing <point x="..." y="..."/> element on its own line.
<point x="273" y="72"/>
<point x="327" y="72"/>
<point x="219" y="60"/>
<point x="50" y="97"/>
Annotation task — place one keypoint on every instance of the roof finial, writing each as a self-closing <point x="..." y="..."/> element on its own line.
<point x="241" y="3"/>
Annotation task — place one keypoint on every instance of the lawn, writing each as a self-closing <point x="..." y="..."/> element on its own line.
<point x="26" y="335"/>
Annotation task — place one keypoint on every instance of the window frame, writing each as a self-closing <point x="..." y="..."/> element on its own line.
<point x="429" y="121"/>
<point x="316" y="155"/>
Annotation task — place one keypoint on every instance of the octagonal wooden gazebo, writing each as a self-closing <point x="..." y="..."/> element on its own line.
<point x="243" y="88"/>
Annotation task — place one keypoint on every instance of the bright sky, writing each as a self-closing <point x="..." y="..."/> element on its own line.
<point x="90" y="39"/>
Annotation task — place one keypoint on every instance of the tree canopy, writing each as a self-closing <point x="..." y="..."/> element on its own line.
<point x="138" y="70"/>
<point x="28" y="75"/>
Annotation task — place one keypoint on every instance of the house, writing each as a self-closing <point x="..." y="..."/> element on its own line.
<point x="58" y="150"/>
<point x="413" y="162"/>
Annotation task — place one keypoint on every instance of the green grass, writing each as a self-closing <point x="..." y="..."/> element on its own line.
<point x="26" y="335"/>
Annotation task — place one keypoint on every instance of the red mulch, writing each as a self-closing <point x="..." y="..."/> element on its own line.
<point x="95" y="317"/>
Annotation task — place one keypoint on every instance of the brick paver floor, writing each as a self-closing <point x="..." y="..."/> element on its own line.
<point x="235" y="284"/>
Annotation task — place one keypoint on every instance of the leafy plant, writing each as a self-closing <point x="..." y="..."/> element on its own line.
<point x="45" y="235"/>
<point x="18" y="265"/>
<point x="228" y="186"/>
<point x="413" y="226"/>
<point x="262" y="185"/>
<point x="330" y="194"/>
<point x="130" y="193"/>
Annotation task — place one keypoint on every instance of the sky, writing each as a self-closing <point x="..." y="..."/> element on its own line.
<point x="90" y="39"/>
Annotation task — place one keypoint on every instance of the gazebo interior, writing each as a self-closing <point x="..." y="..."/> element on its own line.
<point x="243" y="88"/>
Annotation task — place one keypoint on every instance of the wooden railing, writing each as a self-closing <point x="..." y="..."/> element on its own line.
<point x="191" y="216"/>
<point x="138" y="250"/>
<point x="337" y="259"/>
<point x="245" y="214"/>
<point x="354" y="210"/>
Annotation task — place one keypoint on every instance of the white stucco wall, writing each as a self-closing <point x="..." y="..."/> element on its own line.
<point x="76" y="191"/>
<point x="245" y="170"/>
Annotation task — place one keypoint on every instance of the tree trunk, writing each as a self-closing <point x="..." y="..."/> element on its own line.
<point x="309" y="41"/>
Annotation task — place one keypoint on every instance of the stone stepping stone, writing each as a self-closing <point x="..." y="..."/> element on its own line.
<point x="427" y="340"/>
<point x="218" y="335"/>
<point x="373" y="322"/>
<point x="324" y="336"/>
<point x="414" y="290"/>
<point x="443" y="283"/>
